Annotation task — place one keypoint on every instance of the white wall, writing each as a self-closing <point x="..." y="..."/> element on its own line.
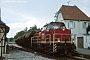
<point x="86" y="40"/>
<point x="79" y="30"/>
<point x="2" y="50"/>
<point x="60" y="17"/>
<point x="2" y="42"/>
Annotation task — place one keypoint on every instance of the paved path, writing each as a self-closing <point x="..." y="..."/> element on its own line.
<point x="83" y="51"/>
<point x="22" y="55"/>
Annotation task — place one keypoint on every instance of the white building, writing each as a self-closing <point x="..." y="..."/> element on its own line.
<point x="75" y="20"/>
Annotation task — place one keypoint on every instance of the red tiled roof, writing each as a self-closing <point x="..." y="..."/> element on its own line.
<point x="72" y="13"/>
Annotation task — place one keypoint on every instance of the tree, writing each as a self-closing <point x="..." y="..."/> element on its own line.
<point x="26" y="29"/>
<point x="19" y="34"/>
<point x="88" y="29"/>
<point x="34" y="28"/>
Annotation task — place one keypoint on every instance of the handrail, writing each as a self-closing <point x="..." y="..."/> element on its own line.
<point x="49" y="37"/>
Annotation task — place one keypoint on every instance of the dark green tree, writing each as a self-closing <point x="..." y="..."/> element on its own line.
<point x="26" y="29"/>
<point x="88" y="29"/>
<point x="34" y="28"/>
<point x="19" y="34"/>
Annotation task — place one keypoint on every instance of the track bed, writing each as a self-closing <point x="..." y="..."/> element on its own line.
<point x="56" y="56"/>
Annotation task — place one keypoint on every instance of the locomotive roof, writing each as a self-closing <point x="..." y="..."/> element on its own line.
<point x="55" y="23"/>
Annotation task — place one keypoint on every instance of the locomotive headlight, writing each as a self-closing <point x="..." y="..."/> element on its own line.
<point x="58" y="39"/>
<point x="73" y="41"/>
<point x="63" y="28"/>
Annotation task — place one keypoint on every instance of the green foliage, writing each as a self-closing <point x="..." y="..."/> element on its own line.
<point x="34" y="28"/>
<point x="19" y="34"/>
<point x="26" y="29"/>
<point x="88" y="29"/>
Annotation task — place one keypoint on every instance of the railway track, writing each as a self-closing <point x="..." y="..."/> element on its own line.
<point x="74" y="57"/>
<point x="56" y="56"/>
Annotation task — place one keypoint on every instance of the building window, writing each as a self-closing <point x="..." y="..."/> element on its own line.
<point x="85" y="25"/>
<point x="71" y="24"/>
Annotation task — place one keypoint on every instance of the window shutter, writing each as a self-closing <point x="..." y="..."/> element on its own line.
<point x="87" y="24"/>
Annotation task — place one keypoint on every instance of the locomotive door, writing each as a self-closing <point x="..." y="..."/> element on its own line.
<point x="80" y="42"/>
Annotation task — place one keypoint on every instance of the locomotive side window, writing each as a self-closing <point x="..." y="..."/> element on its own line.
<point x="53" y="26"/>
<point x="50" y="26"/>
<point x="44" y="28"/>
<point x="56" y="26"/>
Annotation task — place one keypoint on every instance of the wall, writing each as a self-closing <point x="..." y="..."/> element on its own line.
<point x="2" y="41"/>
<point x="79" y="30"/>
<point x="60" y="17"/>
<point x="86" y="40"/>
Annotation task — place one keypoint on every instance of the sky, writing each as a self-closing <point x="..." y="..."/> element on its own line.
<point x="19" y="14"/>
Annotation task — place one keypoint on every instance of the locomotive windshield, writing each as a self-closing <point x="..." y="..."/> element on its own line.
<point x="53" y="25"/>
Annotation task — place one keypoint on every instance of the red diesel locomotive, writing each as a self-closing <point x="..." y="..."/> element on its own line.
<point x="54" y="37"/>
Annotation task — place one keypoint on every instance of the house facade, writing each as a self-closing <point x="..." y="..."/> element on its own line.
<point x="4" y="29"/>
<point x="75" y="20"/>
